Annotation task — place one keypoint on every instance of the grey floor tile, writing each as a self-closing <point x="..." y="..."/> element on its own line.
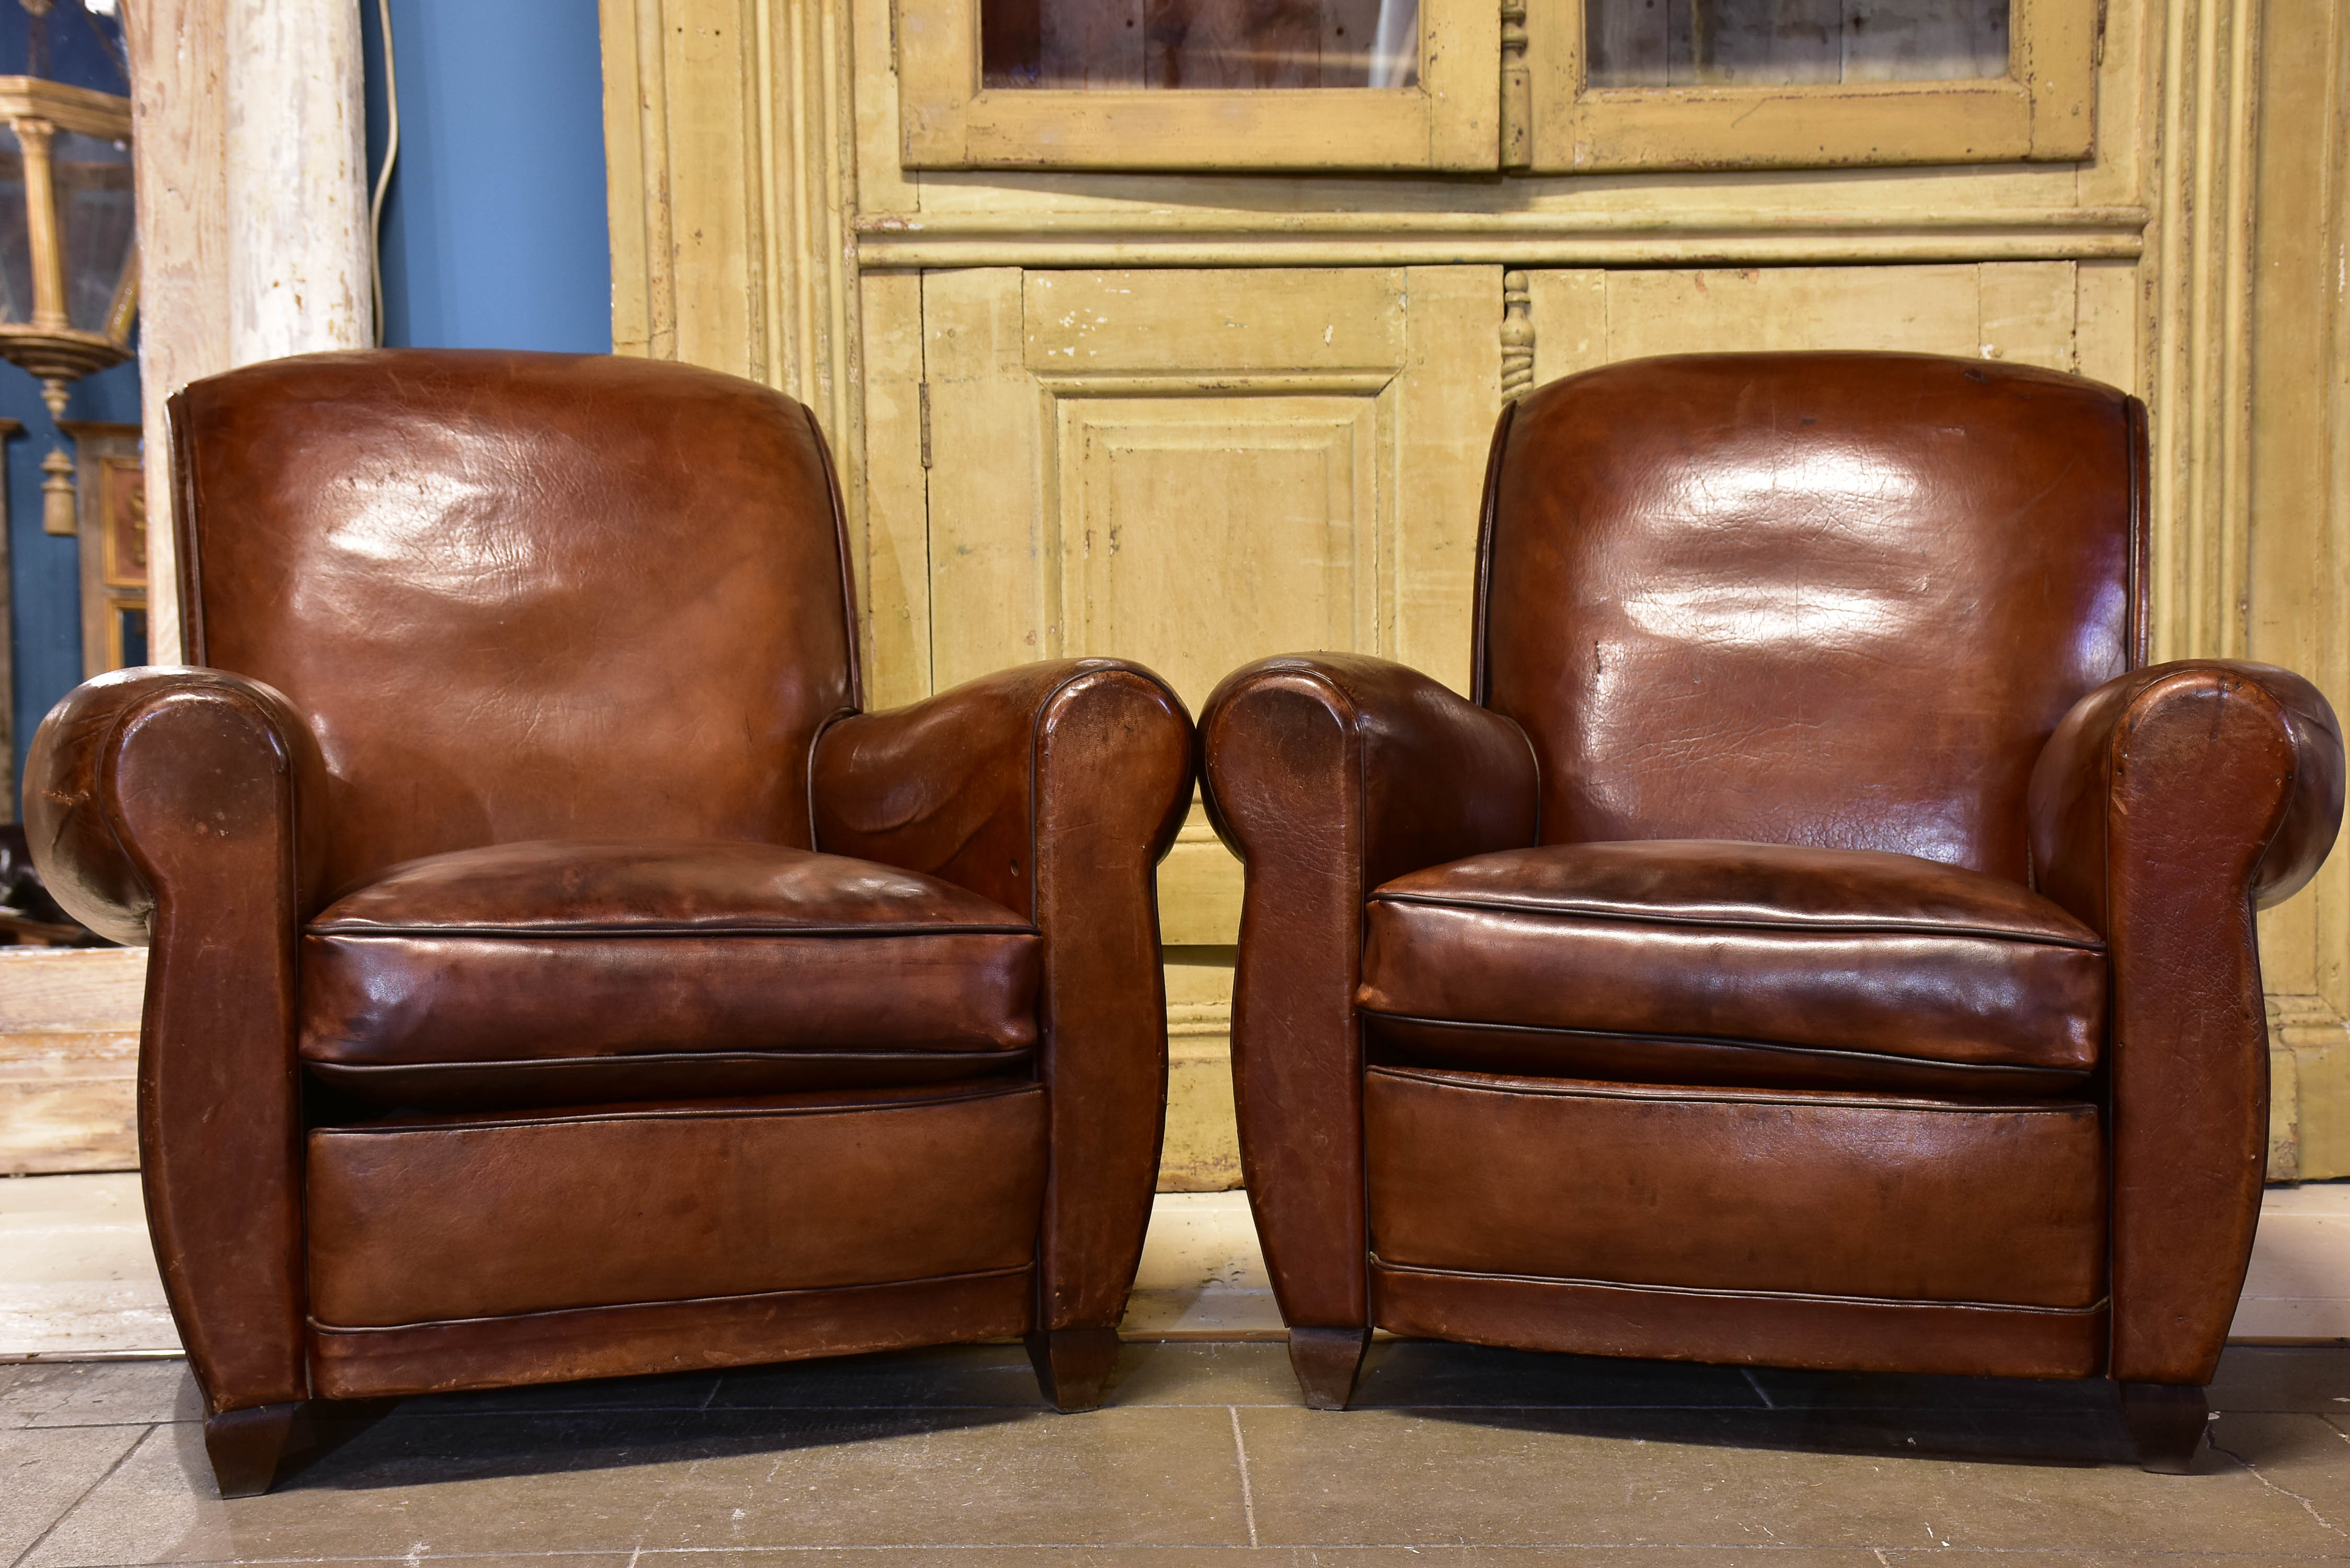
<point x="1274" y="1557"/>
<point x="1401" y="1477"/>
<point x="99" y="1393"/>
<point x="1240" y="1556"/>
<point x="1117" y="1477"/>
<point x="1204" y="1373"/>
<point x="44" y="1474"/>
<point x="491" y="1560"/>
<point x="1583" y="1557"/>
<point x="1790" y="1389"/>
<point x="2315" y="1379"/>
<point x="683" y="1391"/>
<point x="1425" y="1373"/>
<point x="2032" y="1559"/>
<point x="986" y="1376"/>
<point x="483" y="1484"/>
<point x="488" y="1484"/>
<point x="2303" y="1458"/>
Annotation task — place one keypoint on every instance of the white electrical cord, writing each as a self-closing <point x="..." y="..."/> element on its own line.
<point x="383" y="176"/>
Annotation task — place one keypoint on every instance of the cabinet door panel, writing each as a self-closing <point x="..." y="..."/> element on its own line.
<point x="1194" y="470"/>
<point x="1091" y="84"/>
<point x="2023" y="311"/>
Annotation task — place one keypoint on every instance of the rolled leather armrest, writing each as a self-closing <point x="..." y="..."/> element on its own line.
<point x="1055" y="789"/>
<point x="1329" y="774"/>
<point x="2167" y="806"/>
<point x="127" y="727"/>
<point x="177" y="807"/>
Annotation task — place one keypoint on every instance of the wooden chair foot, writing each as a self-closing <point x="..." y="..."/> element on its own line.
<point x="1073" y="1364"/>
<point x="1325" y="1361"/>
<point x="247" y="1447"/>
<point x="2166" y="1423"/>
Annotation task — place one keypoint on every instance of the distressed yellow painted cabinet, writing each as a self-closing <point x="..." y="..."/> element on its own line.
<point x="1193" y="470"/>
<point x="1175" y="329"/>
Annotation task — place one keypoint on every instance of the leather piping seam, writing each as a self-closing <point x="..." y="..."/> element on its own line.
<point x="554" y="1066"/>
<point x="815" y="743"/>
<point x="850" y="651"/>
<point x="433" y="1323"/>
<point x="1834" y="1052"/>
<point x="1834" y="927"/>
<point x="2102" y="1304"/>
<point x="1480" y="649"/>
<point x="827" y="933"/>
<point x="2134" y="461"/>
<point x="1838" y="1099"/>
<point x="189" y="575"/>
<point x="666" y="1113"/>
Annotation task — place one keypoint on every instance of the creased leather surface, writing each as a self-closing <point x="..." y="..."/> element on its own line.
<point x="415" y="1222"/>
<point x="1055" y="789"/>
<point x="1835" y="599"/>
<point x="1853" y="952"/>
<point x="551" y="972"/>
<point x="1824" y="1195"/>
<point x="1329" y="775"/>
<point x="521" y="596"/>
<point x="2168" y="804"/>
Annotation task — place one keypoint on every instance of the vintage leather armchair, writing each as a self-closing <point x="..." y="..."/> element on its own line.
<point x="554" y="974"/>
<point x="1821" y="942"/>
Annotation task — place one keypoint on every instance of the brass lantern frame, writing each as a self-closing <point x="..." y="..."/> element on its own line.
<point x="50" y="345"/>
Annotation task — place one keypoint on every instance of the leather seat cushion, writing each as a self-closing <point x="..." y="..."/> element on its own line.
<point x="560" y="973"/>
<point x="1698" y="962"/>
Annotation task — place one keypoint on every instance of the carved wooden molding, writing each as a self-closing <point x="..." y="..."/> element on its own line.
<point x="1517" y="89"/>
<point x="1517" y="336"/>
<point x="2199" y="394"/>
<point x="1653" y="236"/>
<point x="729" y="171"/>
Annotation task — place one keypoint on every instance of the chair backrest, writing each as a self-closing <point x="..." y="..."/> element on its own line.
<point x="521" y="596"/>
<point x="1833" y="599"/>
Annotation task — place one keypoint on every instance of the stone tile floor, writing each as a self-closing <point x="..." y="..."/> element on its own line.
<point x="1453" y="1455"/>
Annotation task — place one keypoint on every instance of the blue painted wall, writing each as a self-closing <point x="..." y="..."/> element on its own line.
<point x="494" y="233"/>
<point x="44" y="569"/>
<point x="494" y="236"/>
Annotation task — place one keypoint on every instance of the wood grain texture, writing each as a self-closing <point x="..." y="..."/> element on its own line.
<point x="2296" y="531"/>
<point x="69" y="1058"/>
<point x="179" y="117"/>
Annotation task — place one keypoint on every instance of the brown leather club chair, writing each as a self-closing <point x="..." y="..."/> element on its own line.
<point x="1821" y="942"/>
<point x="555" y="975"/>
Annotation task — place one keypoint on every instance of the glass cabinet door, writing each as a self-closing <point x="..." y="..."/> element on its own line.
<point x="1199" y="84"/>
<point x="1094" y="46"/>
<point x="1694" y="83"/>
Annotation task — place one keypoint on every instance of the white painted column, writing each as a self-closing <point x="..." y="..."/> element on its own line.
<point x="296" y="180"/>
<point x="250" y="139"/>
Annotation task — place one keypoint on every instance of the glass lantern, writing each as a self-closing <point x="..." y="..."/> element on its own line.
<point x="68" y="260"/>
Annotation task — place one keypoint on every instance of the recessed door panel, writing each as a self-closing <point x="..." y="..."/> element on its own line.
<point x="1279" y="491"/>
<point x="1193" y="470"/>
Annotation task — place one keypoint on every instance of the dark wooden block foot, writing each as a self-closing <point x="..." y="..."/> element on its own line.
<point x="2167" y="1423"/>
<point x="1073" y="1364"/>
<point x="1325" y="1361"/>
<point x="247" y="1447"/>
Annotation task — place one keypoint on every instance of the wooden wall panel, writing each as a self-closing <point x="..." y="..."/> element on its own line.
<point x="69" y="1059"/>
